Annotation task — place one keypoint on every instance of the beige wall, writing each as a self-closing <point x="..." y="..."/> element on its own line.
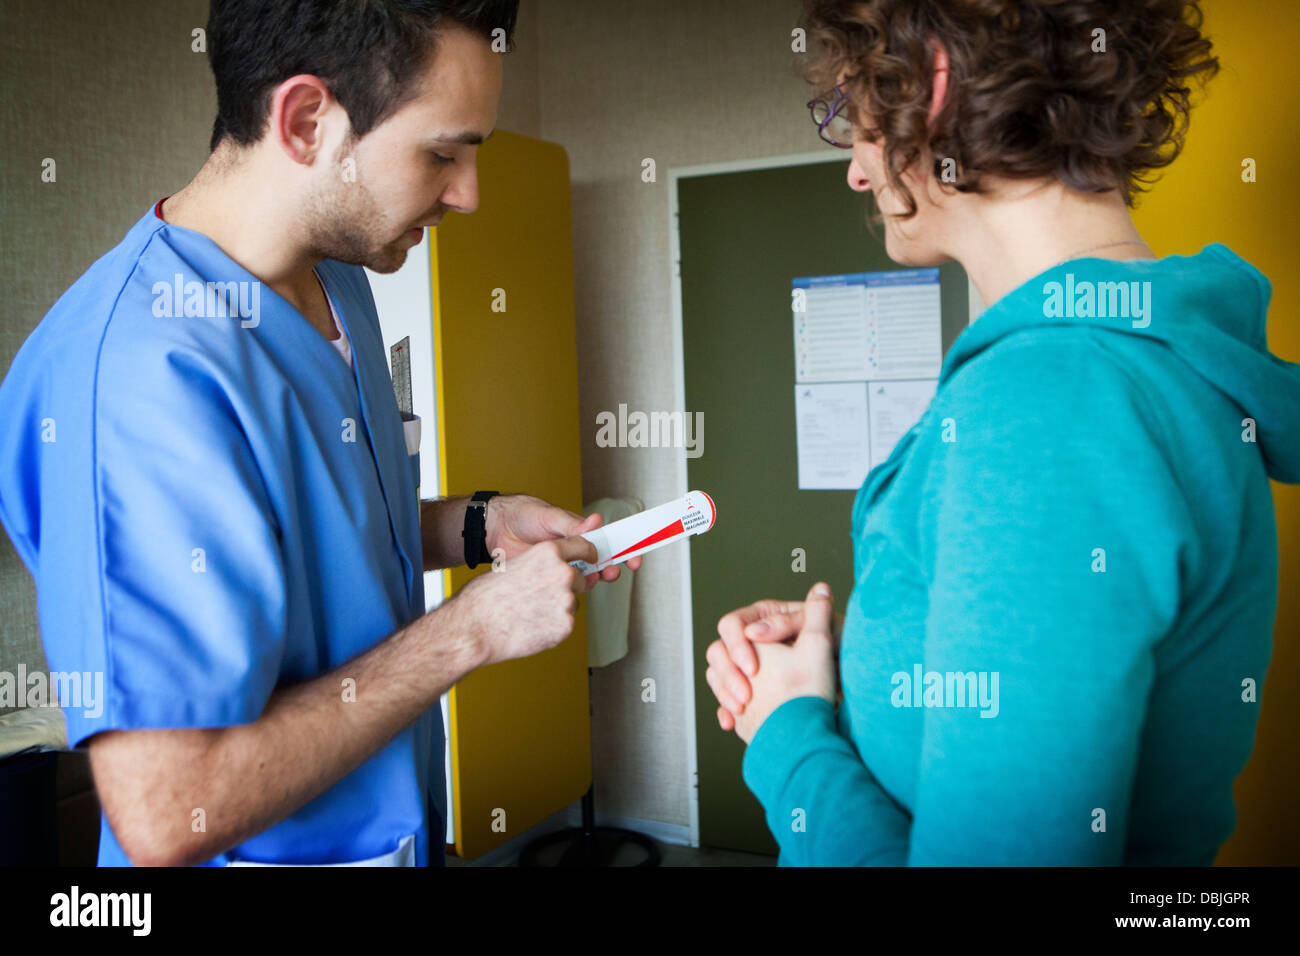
<point x="520" y="98"/>
<point x="111" y="91"/>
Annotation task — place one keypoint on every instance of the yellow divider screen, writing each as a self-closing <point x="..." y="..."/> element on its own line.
<point x="505" y="345"/>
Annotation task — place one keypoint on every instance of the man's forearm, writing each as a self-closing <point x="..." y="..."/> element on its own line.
<point x="441" y="522"/>
<point x="247" y="778"/>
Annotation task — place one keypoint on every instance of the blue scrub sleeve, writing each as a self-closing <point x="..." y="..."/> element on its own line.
<point x="1015" y="523"/>
<point x="190" y="571"/>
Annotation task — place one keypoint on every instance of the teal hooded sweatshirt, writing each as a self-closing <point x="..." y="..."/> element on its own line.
<point x="1065" y="584"/>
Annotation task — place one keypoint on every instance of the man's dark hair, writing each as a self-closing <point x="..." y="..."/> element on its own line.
<point x="369" y="52"/>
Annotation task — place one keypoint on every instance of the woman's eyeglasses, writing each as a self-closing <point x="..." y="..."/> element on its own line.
<point x="833" y="125"/>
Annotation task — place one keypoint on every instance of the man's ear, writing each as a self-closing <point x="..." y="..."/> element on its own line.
<point x="939" y="91"/>
<point x="297" y="107"/>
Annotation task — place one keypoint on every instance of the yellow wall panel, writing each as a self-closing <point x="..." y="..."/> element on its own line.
<point x="1202" y="199"/>
<point x="508" y="420"/>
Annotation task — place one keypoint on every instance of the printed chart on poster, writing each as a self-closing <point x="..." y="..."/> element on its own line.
<point x="867" y="352"/>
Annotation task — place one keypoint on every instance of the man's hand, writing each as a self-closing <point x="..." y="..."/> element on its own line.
<point x="804" y="668"/>
<point x="528" y="605"/>
<point x="734" y="656"/>
<point x="516" y="522"/>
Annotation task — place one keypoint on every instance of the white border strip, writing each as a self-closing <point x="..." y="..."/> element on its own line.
<point x="829" y="155"/>
<point x="404" y="301"/>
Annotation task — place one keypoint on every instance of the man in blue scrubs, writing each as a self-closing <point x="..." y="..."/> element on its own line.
<point x="218" y="507"/>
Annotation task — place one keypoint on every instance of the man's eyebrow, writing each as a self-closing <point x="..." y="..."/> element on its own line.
<point x="465" y="137"/>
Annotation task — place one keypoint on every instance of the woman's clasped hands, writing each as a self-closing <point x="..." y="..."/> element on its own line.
<point x="771" y="652"/>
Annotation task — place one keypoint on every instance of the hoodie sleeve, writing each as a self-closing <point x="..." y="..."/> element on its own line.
<point x="821" y="803"/>
<point x="1051" y="535"/>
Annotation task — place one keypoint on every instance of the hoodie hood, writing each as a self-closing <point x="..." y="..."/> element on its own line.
<point x="1209" y="309"/>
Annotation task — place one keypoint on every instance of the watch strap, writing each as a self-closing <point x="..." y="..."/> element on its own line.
<point x="475" y="532"/>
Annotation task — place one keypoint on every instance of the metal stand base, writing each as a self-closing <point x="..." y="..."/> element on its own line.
<point x="590" y="845"/>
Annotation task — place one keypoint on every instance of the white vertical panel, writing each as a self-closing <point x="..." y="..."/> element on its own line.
<point x="404" y="300"/>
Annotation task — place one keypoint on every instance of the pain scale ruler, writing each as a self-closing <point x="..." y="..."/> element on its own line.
<point x="400" y="359"/>
<point x="649" y="530"/>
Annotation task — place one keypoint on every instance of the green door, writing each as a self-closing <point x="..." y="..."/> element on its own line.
<point x="744" y="237"/>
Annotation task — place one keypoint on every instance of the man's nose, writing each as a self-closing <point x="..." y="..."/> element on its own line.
<point x="461" y="193"/>
<point x="858" y="181"/>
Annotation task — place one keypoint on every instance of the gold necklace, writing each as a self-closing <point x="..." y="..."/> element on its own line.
<point x="1106" y="245"/>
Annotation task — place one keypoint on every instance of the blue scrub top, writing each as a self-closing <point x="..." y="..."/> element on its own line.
<point x="214" y="505"/>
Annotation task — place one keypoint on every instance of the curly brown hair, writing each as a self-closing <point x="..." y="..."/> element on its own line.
<point x="1027" y="97"/>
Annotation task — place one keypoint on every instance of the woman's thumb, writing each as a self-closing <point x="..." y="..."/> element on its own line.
<point x="817" y="610"/>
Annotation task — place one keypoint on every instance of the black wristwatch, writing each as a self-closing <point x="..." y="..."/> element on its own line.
<point x="475" y="533"/>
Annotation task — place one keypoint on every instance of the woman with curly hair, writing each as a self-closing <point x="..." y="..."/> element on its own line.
<point x="1066" y="572"/>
